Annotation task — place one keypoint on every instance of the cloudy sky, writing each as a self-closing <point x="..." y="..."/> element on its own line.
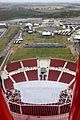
<point x="40" y="1"/>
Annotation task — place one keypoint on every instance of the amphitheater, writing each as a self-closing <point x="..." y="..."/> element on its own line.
<point x="39" y="89"/>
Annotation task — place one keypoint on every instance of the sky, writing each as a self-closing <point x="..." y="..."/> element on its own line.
<point x="71" y="1"/>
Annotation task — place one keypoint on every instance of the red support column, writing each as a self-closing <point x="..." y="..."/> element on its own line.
<point x="74" y="113"/>
<point x="4" y="110"/>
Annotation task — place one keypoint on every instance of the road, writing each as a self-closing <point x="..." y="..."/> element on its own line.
<point x="7" y="49"/>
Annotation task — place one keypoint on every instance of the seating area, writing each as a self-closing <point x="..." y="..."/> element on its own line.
<point x="66" y="79"/>
<point x="57" y="63"/>
<point x="32" y="75"/>
<point x="64" y="108"/>
<point x="19" y="77"/>
<point x="14" y="107"/>
<point x="40" y="110"/>
<point x="8" y="83"/>
<point x="65" y="96"/>
<point x="30" y="70"/>
<point x="43" y="110"/>
<point x="13" y="66"/>
<point x="25" y="70"/>
<point x="13" y="96"/>
<point x="30" y="63"/>
<point x="71" y="66"/>
<point x="53" y="75"/>
<point x="71" y="86"/>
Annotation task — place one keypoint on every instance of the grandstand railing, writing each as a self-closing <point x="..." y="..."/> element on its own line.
<point x="39" y="110"/>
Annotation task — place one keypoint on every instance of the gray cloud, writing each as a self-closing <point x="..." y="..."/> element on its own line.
<point x="38" y="1"/>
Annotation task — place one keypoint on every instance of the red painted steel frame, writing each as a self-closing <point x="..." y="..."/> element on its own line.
<point x="4" y="110"/>
<point x="74" y="113"/>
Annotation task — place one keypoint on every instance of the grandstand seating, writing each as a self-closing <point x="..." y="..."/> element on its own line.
<point x="57" y="63"/>
<point x="71" y="66"/>
<point x="13" y="66"/>
<point x="64" y="108"/>
<point x="30" y="63"/>
<point x="66" y="78"/>
<point x="19" y="77"/>
<point x="53" y="75"/>
<point x="71" y="86"/>
<point x="8" y="83"/>
<point x="14" y="107"/>
<point x="40" y="110"/>
<point x="32" y="75"/>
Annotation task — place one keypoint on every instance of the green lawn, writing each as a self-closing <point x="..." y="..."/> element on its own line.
<point x="24" y="53"/>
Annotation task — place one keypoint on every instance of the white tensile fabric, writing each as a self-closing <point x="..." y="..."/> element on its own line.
<point x="40" y="92"/>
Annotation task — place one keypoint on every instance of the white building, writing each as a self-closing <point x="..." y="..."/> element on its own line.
<point x="46" y="33"/>
<point x="3" y="25"/>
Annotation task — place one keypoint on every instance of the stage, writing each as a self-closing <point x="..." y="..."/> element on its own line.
<point x="40" y="92"/>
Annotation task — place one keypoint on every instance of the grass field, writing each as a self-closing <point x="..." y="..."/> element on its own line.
<point x="24" y="53"/>
<point x="36" y="38"/>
